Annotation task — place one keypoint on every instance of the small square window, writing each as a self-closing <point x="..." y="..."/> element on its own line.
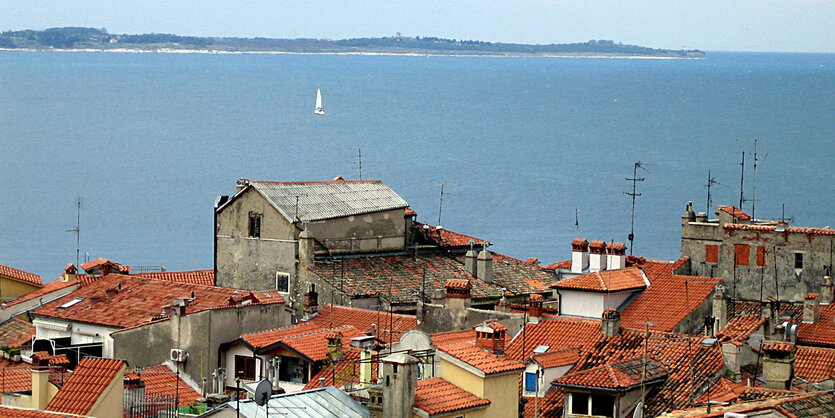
<point x="245" y="367"/>
<point x="742" y="254"/>
<point x="282" y="281"/>
<point x="712" y="253"/>
<point x="530" y="382"/>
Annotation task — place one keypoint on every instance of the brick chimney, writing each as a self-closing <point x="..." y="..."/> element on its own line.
<point x="40" y="380"/>
<point x="811" y="308"/>
<point x="70" y="272"/>
<point x="616" y="254"/>
<point x="579" y="255"/>
<point x="484" y="266"/>
<point x="490" y="336"/>
<point x="334" y="345"/>
<point x="610" y="324"/>
<point x="597" y="255"/>
<point x="778" y="364"/>
<point x="827" y="294"/>
<point x="720" y="307"/>
<point x="535" y="308"/>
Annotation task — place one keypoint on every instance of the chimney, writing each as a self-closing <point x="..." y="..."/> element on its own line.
<point x="457" y="296"/>
<point x="701" y="217"/>
<point x="732" y="357"/>
<point x="827" y="295"/>
<point x="503" y="305"/>
<point x="484" y="266"/>
<point x="334" y="345"/>
<point x="811" y="308"/>
<point x="70" y="272"/>
<point x="470" y="261"/>
<point x="579" y="255"/>
<point x="40" y="380"/>
<point x="616" y="255"/>
<point x="778" y="364"/>
<point x="610" y="325"/>
<point x="490" y="336"/>
<point x="365" y="367"/>
<point x="178" y="307"/>
<point x="597" y="255"/>
<point x="306" y="249"/>
<point x="720" y="307"/>
<point x="689" y="215"/>
<point x="311" y="300"/>
<point x="401" y="376"/>
<point x="535" y="308"/>
<point x="240" y="185"/>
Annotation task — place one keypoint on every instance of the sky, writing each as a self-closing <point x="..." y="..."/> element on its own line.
<point x="717" y="25"/>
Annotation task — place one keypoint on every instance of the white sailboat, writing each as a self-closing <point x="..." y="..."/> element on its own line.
<point x="319" y="110"/>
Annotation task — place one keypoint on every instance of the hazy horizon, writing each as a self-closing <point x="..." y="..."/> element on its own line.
<point x="733" y="26"/>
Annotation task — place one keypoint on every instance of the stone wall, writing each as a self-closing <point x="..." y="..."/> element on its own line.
<point x="434" y="318"/>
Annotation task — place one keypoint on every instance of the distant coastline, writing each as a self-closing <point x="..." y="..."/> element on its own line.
<point x="98" y="40"/>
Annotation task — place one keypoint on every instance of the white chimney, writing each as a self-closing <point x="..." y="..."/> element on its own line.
<point x="579" y="255"/>
<point x="597" y="255"/>
<point x="616" y="255"/>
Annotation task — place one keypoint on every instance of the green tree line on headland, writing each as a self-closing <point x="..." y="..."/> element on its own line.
<point x="91" y="38"/>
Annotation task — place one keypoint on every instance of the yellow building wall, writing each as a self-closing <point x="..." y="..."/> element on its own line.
<point x="502" y="391"/>
<point x="111" y="402"/>
<point x="462" y="378"/>
<point x="12" y="288"/>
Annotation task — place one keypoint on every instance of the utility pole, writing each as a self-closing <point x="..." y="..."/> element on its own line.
<point x="635" y="179"/>
<point x="77" y="231"/>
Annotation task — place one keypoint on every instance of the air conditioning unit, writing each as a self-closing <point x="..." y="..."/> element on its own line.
<point x="178" y="355"/>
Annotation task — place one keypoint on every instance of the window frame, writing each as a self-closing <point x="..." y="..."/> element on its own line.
<point x="254" y="224"/>
<point x="245" y="362"/>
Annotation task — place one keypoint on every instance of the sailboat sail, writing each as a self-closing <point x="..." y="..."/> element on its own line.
<point x="319" y="110"/>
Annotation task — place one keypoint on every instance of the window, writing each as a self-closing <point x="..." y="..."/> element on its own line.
<point x="798" y="260"/>
<point x="742" y="254"/>
<point x="602" y="405"/>
<point x="530" y="382"/>
<point x="712" y="253"/>
<point x="245" y="367"/>
<point x="760" y="256"/>
<point x="580" y="403"/>
<point x="254" y="225"/>
<point x="282" y="281"/>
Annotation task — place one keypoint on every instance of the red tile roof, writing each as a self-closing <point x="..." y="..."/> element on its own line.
<point x="629" y="278"/>
<point x="437" y="396"/>
<point x="20" y="275"/>
<point x="89" y="380"/>
<point x="487" y="363"/>
<point x="740" y="327"/>
<point x="580" y="242"/>
<point x="446" y="238"/>
<point x="772" y="228"/>
<point x="458" y="284"/>
<point x="560" y="333"/>
<point x="314" y="346"/>
<point x="266" y="338"/>
<point x="410" y="212"/>
<point x="548" y="406"/>
<point x="139" y="300"/>
<point x="664" y="302"/>
<point x="621" y="376"/>
<point x="821" y="332"/>
<point x="557" y="358"/>
<point x="735" y="212"/>
<point x="16" y="333"/>
<point x="160" y="381"/>
<point x="14" y="412"/>
<point x="815" y="364"/>
<point x="451" y="337"/>
<point x="334" y="316"/>
<point x="777" y="346"/>
<point x="46" y="289"/>
<point x="204" y="277"/>
<point x="565" y="264"/>
<point x="15" y="380"/>
<point x="346" y="371"/>
<point x="102" y="261"/>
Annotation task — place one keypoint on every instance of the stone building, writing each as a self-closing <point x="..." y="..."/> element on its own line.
<point x="752" y="255"/>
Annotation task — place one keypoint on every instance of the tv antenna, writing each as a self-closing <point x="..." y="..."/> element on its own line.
<point x="754" y="198"/>
<point x="635" y="179"/>
<point x="742" y="182"/>
<point x="710" y="182"/>
<point x="358" y="162"/>
<point x="77" y="231"/>
<point x="441" y="202"/>
<point x="577" y="220"/>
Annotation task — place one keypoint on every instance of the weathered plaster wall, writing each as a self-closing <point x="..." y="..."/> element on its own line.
<point x="251" y="263"/>
<point x="370" y="232"/>
<point x="439" y="318"/>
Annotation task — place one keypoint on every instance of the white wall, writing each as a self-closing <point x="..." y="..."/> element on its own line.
<point x="589" y="304"/>
<point x="239" y="350"/>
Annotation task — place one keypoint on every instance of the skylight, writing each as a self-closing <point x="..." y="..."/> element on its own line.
<point x="71" y="303"/>
<point x="541" y="349"/>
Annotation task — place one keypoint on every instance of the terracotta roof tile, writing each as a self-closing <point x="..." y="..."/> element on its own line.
<point x="160" y="381"/>
<point x="560" y="333"/>
<point x="740" y="327"/>
<point x="346" y="371"/>
<point x="777" y="346"/>
<point x="488" y="363"/>
<point x="410" y="212"/>
<point x="16" y="333"/>
<point x="138" y="301"/>
<point x="821" y="332"/>
<point x="334" y="316"/>
<point x="735" y="212"/>
<point x="14" y="412"/>
<point x="580" y="242"/>
<point x="548" y="406"/>
<point x="664" y="302"/>
<point x="458" y="284"/>
<point x="446" y="238"/>
<point x="204" y="277"/>
<point x="771" y="228"/>
<point x="602" y="281"/>
<point x="266" y="338"/>
<point x="88" y="381"/>
<point x="15" y="380"/>
<point x="314" y="346"/>
<point x="452" y="337"/>
<point x="46" y="289"/>
<point x="565" y="264"/>
<point x="621" y="376"/>
<point x="815" y="364"/>
<point x="557" y="358"/>
<point x="437" y="396"/>
<point x="20" y="275"/>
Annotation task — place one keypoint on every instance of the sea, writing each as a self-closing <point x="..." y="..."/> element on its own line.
<point x="532" y="152"/>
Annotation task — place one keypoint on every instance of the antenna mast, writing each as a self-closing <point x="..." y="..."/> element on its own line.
<point x="77" y="231"/>
<point x="577" y="220"/>
<point x="754" y="198"/>
<point x="441" y="202"/>
<point x="358" y="164"/>
<point x="742" y="181"/>
<point x="635" y="179"/>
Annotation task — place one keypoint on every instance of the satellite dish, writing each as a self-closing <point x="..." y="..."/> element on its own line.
<point x="639" y="411"/>
<point x="263" y="392"/>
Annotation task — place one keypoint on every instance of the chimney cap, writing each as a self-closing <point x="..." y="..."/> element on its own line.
<point x="811" y="296"/>
<point x="580" y="242"/>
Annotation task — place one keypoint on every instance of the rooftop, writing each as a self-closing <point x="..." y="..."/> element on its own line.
<point x="630" y="278"/>
<point x="437" y="396"/>
<point x="559" y="334"/>
<point x="20" y="275"/>
<point x="89" y="380"/>
<point x="821" y="332"/>
<point x="445" y="238"/>
<point x="160" y="381"/>
<point x="557" y="358"/>
<point x="320" y="402"/>
<point x="621" y="376"/>
<point x="334" y="316"/>
<point x="124" y="301"/>
<point x="735" y="212"/>
<point x="317" y="200"/>
<point x="46" y="289"/>
<point x="815" y="364"/>
<point x="204" y="277"/>
<point x="740" y="327"/>
<point x="16" y="333"/>
<point x="485" y="362"/>
<point x="771" y="228"/>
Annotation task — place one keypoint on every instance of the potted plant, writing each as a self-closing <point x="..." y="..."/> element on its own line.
<point x="14" y="353"/>
<point x="5" y="350"/>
